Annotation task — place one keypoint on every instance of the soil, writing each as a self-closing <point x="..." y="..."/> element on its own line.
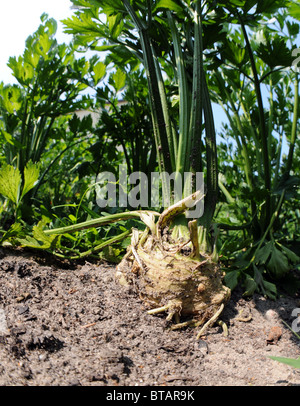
<point x="71" y="324"/>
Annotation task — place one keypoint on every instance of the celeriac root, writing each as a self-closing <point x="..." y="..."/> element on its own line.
<point x="171" y="276"/>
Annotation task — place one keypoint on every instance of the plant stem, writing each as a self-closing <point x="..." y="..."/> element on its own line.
<point x="101" y="221"/>
<point x="157" y="112"/>
<point x="99" y="247"/>
<point x="262" y="126"/>
<point x="294" y="126"/>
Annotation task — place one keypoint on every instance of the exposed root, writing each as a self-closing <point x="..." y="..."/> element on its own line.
<point x="189" y="323"/>
<point x="158" y="310"/>
<point x="243" y="319"/>
<point x="224" y="327"/>
<point x="211" y="321"/>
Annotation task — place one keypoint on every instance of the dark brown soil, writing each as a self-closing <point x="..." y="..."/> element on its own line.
<point x="67" y="324"/>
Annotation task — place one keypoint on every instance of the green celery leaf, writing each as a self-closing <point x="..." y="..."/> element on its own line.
<point x="278" y="263"/>
<point x="250" y="285"/>
<point x="14" y="230"/>
<point x="31" y="175"/>
<point x="119" y="78"/>
<point x="10" y="181"/>
<point x="39" y="239"/>
<point x="99" y="72"/>
<point x="294" y="10"/>
<point x="263" y="253"/>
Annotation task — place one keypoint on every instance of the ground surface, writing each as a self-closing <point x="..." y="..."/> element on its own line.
<point x="63" y="324"/>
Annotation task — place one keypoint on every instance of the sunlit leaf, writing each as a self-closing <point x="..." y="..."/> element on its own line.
<point x="31" y="175"/>
<point x="14" y="230"/>
<point x="115" y="24"/>
<point x="119" y="78"/>
<point x="10" y="181"/>
<point x="99" y="72"/>
<point x="11" y="98"/>
<point x="170" y="5"/>
<point x="294" y="10"/>
<point x="39" y="239"/>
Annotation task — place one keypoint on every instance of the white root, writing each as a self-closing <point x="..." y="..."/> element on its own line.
<point x="210" y="321"/>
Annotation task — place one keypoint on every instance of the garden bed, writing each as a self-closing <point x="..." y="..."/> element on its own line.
<point x="67" y="324"/>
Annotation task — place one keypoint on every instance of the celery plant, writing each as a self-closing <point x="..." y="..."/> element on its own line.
<point x="178" y="145"/>
<point x="170" y="258"/>
<point x="173" y="36"/>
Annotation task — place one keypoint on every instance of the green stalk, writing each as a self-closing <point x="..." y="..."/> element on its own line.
<point x="262" y="126"/>
<point x="97" y="248"/>
<point x="271" y="113"/>
<point x="172" y="141"/>
<point x="196" y="115"/>
<point x="273" y="218"/>
<point x="238" y="125"/>
<point x="294" y="126"/>
<point x="257" y="146"/>
<point x="101" y="221"/>
<point x="182" y="154"/>
<point x="211" y="159"/>
<point x="229" y="198"/>
<point x="158" y="117"/>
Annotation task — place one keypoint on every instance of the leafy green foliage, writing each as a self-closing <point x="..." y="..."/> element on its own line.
<point x="10" y="181"/>
<point x="253" y="218"/>
<point x="11" y="184"/>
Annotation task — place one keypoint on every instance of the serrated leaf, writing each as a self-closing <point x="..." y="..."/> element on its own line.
<point x="99" y="72"/>
<point x="263" y="253"/>
<point x="10" y="181"/>
<point x="278" y="264"/>
<point x="9" y="138"/>
<point x="250" y="286"/>
<point x="294" y="10"/>
<point x="31" y="176"/>
<point x="275" y="52"/>
<point x="13" y="231"/>
<point x="115" y="24"/>
<point x="39" y="239"/>
<point x="290" y="254"/>
<point x="119" y="78"/>
<point x="11" y="98"/>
